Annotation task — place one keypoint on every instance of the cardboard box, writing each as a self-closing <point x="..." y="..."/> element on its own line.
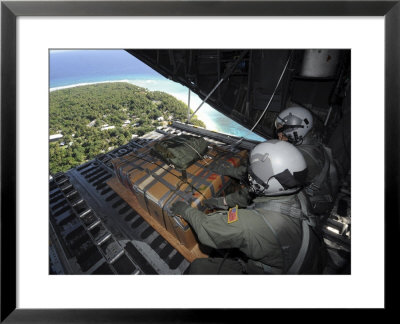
<point x="157" y="185"/>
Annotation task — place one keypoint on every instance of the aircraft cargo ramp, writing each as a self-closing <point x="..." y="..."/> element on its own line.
<point x="93" y="230"/>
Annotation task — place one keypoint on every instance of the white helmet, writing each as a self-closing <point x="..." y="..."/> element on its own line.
<point x="276" y="168"/>
<point x="294" y="123"/>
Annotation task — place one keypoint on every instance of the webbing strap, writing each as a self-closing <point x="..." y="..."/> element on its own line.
<point x="317" y="181"/>
<point x="332" y="168"/>
<point x="309" y="219"/>
<point x="321" y="177"/>
<point x="266" y="268"/>
<point x="276" y="236"/>
<point x="280" y="207"/>
<point x="298" y="262"/>
<point x="306" y="222"/>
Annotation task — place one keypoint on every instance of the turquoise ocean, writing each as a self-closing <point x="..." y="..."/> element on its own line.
<point x="70" y="68"/>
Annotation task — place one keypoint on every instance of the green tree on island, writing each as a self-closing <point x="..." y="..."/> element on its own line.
<point x="94" y="119"/>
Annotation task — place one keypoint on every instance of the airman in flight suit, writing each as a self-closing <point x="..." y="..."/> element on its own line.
<point x="275" y="234"/>
<point x="294" y="125"/>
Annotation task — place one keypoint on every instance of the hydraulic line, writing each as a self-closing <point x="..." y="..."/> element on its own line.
<point x="224" y="77"/>
<point x="269" y="102"/>
<point x="188" y="118"/>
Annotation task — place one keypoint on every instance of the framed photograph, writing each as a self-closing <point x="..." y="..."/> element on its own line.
<point x="35" y="34"/>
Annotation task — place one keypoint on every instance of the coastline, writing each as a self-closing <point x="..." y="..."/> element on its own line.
<point x="206" y="114"/>
<point x="84" y="84"/>
<point x="202" y="114"/>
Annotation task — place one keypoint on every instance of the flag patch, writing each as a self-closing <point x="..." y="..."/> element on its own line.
<point x="232" y="161"/>
<point x="233" y="214"/>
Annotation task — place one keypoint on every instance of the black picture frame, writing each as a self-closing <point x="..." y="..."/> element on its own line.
<point x="10" y="10"/>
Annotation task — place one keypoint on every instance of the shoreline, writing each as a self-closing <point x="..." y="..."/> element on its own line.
<point x="84" y="84"/>
<point x="202" y="114"/>
<point x="208" y="121"/>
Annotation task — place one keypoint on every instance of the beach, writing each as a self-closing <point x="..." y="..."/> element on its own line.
<point x="79" y="68"/>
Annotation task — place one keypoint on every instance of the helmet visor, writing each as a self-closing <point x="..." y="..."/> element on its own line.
<point x="289" y="181"/>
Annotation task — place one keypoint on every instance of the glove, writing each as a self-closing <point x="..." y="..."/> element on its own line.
<point x="179" y="207"/>
<point x="217" y="203"/>
<point x="230" y="171"/>
<point x="222" y="169"/>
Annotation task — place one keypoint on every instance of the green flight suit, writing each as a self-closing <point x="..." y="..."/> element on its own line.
<point x="240" y="197"/>
<point x="313" y="153"/>
<point x="262" y="233"/>
<point x="321" y="179"/>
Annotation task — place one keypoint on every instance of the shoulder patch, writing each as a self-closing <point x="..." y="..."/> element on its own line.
<point x="233" y="214"/>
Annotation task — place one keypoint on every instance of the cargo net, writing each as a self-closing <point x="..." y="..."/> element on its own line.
<point x="156" y="185"/>
<point x="180" y="151"/>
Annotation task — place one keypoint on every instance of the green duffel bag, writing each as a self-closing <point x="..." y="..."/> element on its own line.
<point x="181" y="151"/>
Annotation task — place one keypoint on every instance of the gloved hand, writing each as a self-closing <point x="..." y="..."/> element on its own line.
<point x="217" y="203"/>
<point x="221" y="169"/>
<point x="179" y="207"/>
<point x="227" y="169"/>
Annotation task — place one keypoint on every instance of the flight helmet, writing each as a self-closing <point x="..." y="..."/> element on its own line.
<point x="294" y="123"/>
<point x="276" y="168"/>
